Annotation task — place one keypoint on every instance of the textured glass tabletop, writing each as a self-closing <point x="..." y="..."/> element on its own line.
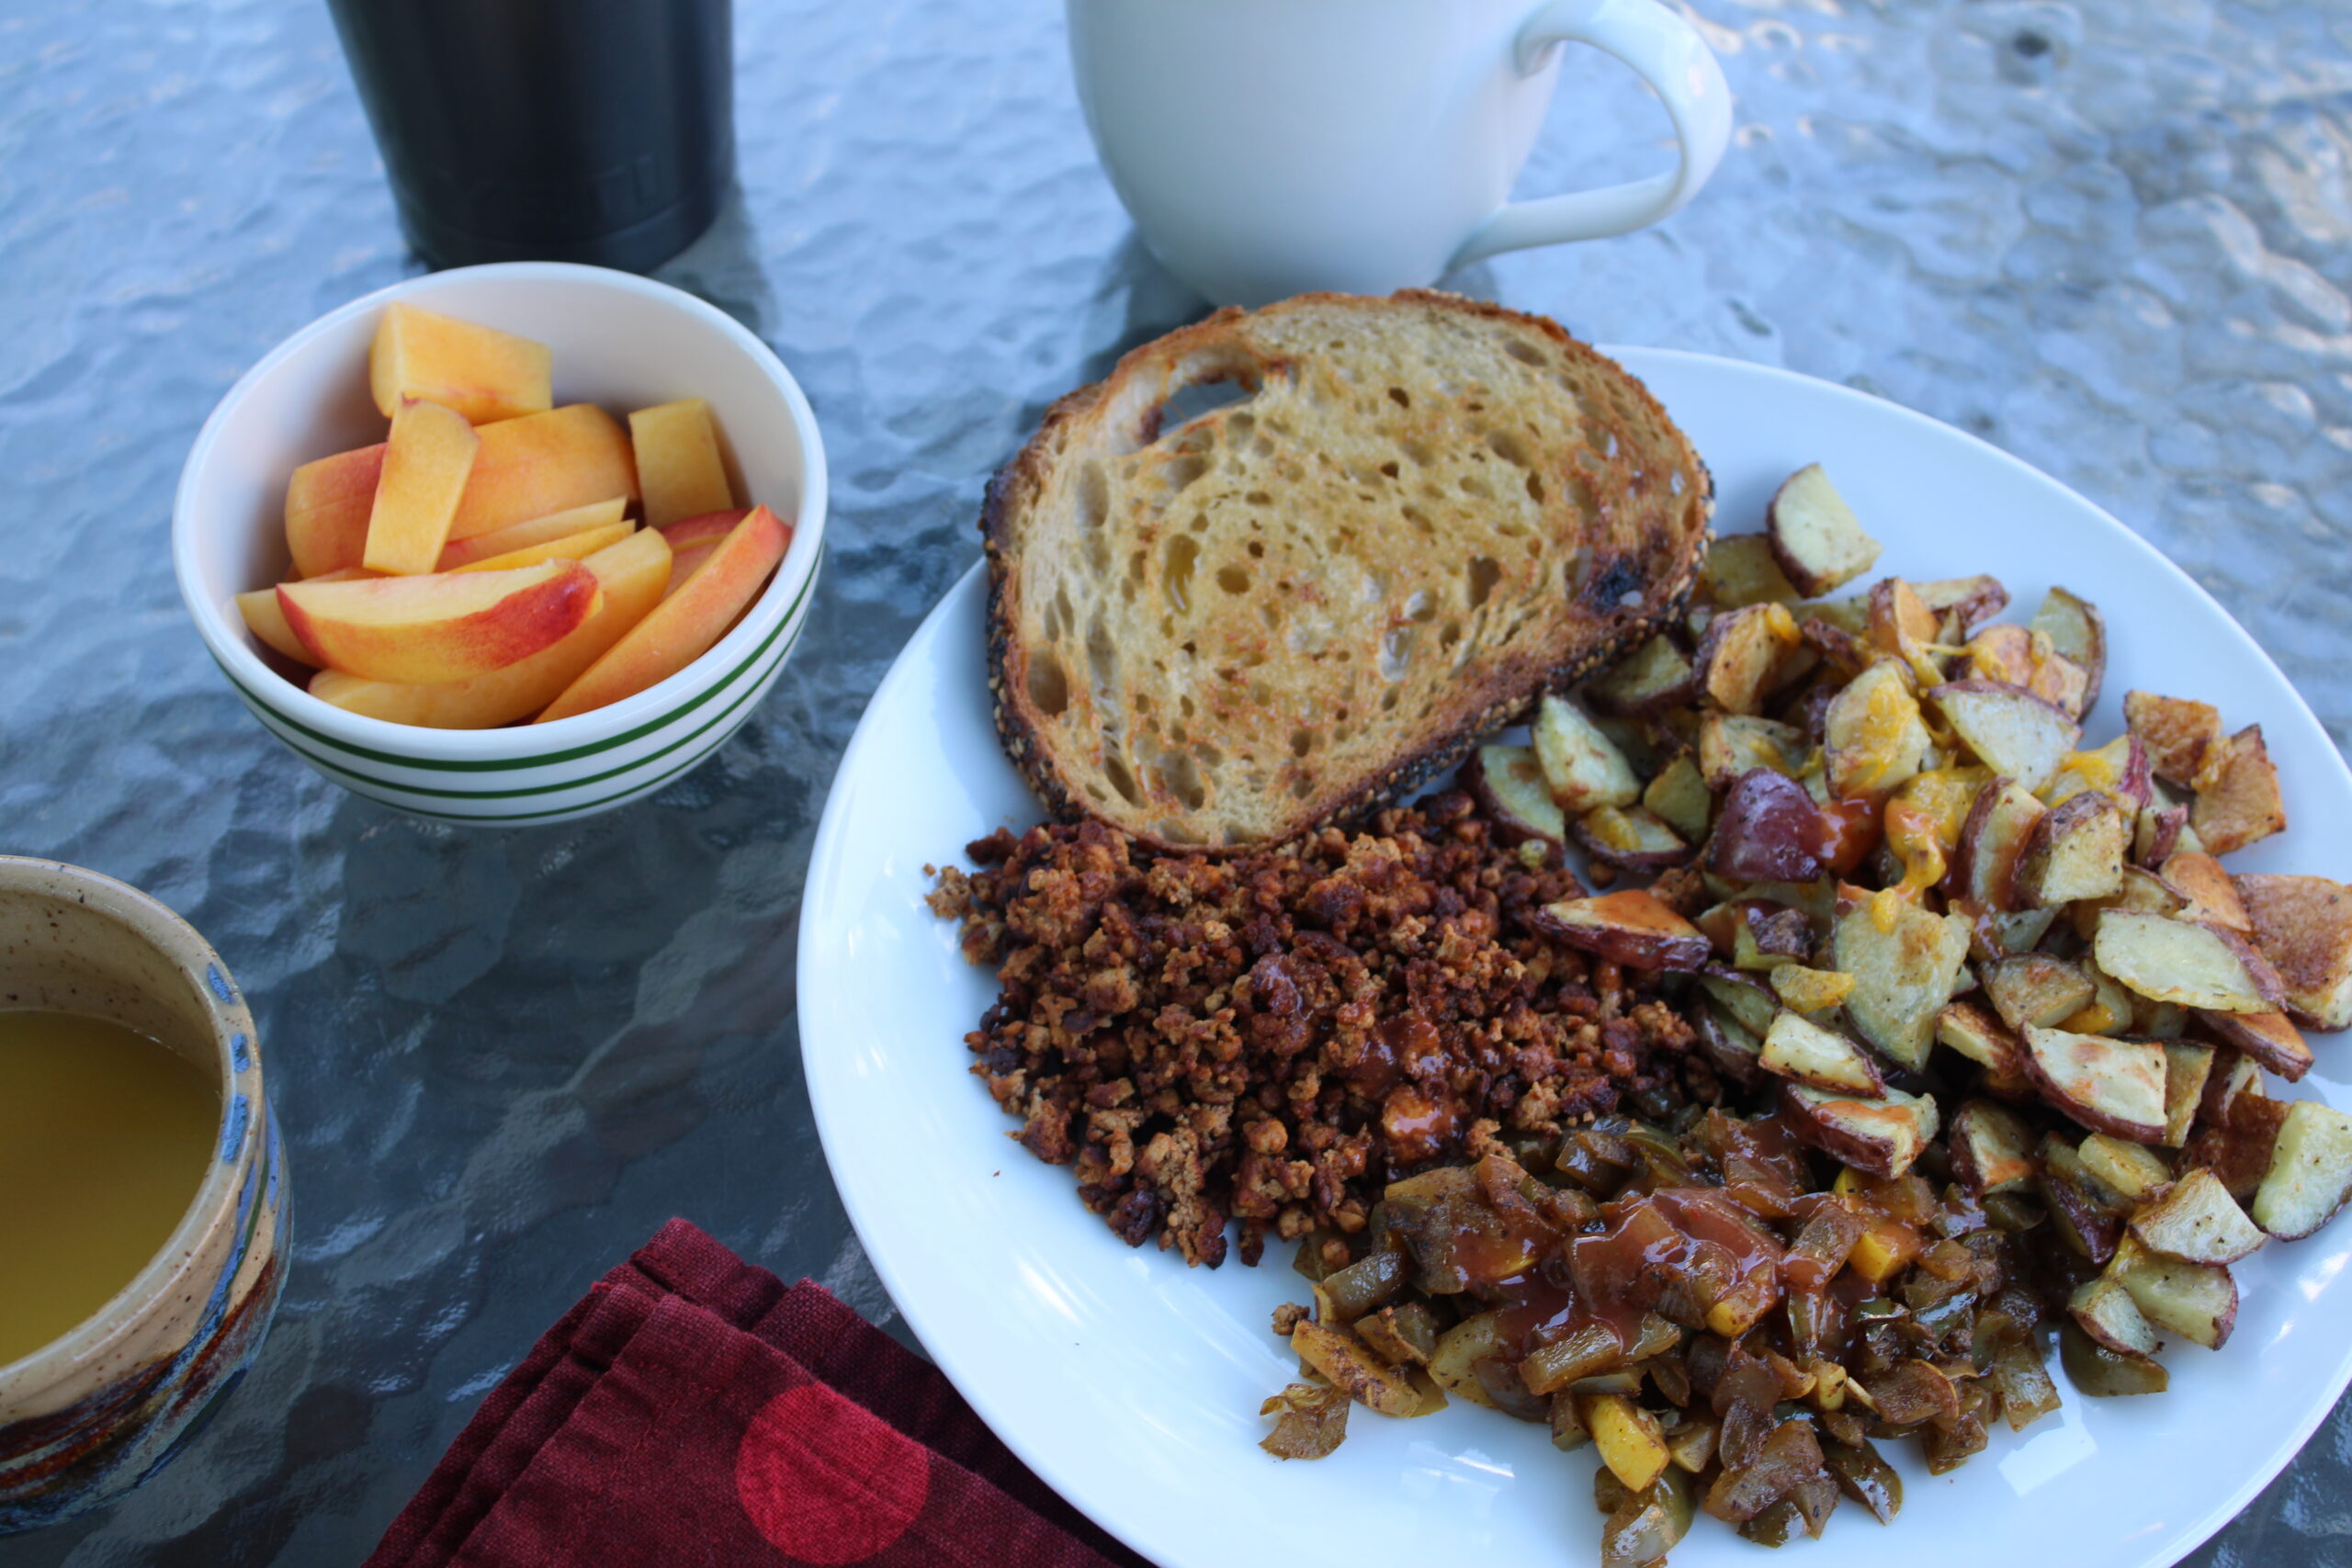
<point x="2114" y="237"/>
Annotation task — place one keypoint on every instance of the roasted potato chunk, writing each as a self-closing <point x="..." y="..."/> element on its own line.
<point x="2108" y="1085"/>
<point x="2302" y="925"/>
<point x="2238" y="801"/>
<point x="1584" y="767"/>
<point x="1510" y="786"/>
<point x="2176" y="732"/>
<point x="1654" y="677"/>
<point x="2311" y="1172"/>
<point x="1905" y="966"/>
<point x="2197" y="1221"/>
<point x="1740" y="658"/>
<point x="1873" y="739"/>
<point x="2078" y="631"/>
<point x="1814" y="535"/>
<point x="2188" y="962"/>
<point x="1740" y="570"/>
<point x="1796" y="1047"/>
<point x="1630" y="927"/>
<point x="2010" y="731"/>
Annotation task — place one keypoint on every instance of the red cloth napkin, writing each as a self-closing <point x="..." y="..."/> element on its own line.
<point x="691" y="1409"/>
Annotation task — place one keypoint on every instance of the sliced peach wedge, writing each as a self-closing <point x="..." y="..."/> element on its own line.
<point x="632" y="573"/>
<point x="572" y="547"/>
<point x="480" y="372"/>
<point x="426" y="459"/>
<point x="442" y="626"/>
<point x="327" y="504"/>
<point x="678" y="461"/>
<point x="694" y="537"/>
<point x="266" y="621"/>
<point x="537" y="531"/>
<point x="542" y="463"/>
<point x="525" y="469"/>
<point x="683" y="627"/>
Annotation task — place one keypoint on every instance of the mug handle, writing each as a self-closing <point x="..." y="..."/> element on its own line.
<point x="1676" y="62"/>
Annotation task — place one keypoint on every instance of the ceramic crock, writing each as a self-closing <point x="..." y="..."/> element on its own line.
<point x="87" y="1417"/>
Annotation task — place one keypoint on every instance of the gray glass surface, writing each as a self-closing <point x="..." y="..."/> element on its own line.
<point x="2114" y="237"/>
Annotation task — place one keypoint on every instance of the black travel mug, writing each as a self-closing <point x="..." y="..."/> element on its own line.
<point x="588" y="130"/>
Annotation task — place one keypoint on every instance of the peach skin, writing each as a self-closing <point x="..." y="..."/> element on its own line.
<point x="268" y="622"/>
<point x="572" y="547"/>
<point x="327" y="502"/>
<point x="678" y="462"/>
<point x="426" y="459"/>
<point x="537" y="531"/>
<point x="704" y="527"/>
<point x="479" y="371"/>
<point x="683" y="627"/>
<point x="442" y="626"/>
<point x="632" y="573"/>
<point x="694" y="537"/>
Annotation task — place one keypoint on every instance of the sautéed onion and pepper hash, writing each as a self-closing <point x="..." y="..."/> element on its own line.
<point x="1931" y="1035"/>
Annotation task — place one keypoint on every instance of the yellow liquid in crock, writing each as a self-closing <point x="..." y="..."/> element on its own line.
<point x="104" y="1139"/>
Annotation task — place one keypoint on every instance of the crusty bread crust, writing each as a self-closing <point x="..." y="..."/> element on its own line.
<point x="1631" y="544"/>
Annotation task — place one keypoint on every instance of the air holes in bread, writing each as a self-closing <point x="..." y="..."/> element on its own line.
<point x="1288" y="566"/>
<point x="1177" y="581"/>
<point x="1188" y="403"/>
<point x="1121" y="779"/>
<point x="1396" y="656"/>
<point x="1048" y="684"/>
<point x="1483" y="574"/>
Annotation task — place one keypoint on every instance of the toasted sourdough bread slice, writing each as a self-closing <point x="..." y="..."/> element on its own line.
<point x="1421" y="511"/>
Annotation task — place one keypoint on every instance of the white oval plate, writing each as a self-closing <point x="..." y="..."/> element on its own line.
<point x="1131" y="1383"/>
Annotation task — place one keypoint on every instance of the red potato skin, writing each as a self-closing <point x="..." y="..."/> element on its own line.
<point x="1509" y="827"/>
<point x="2049" y="832"/>
<point x="2101" y="1230"/>
<point x="2267" y="1037"/>
<point x="1870" y="1157"/>
<point x="2238" y="1153"/>
<point x="2138" y="784"/>
<point x="1972" y="1167"/>
<point x="1768" y="830"/>
<point x="1637" y="929"/>
<point x="1725" y="974"/>
<point x="1738" y="1065"/>
<point x="1988" y="599"/>
<point x="1625" y="860"/>
<point x="2227" y="1089"/>
<point x="2098" y="1121"/>
<point x="2267" y="981"/>
<point x="1994" y="886"/>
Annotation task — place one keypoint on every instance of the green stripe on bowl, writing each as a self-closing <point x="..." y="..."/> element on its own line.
<point x="547" y="758"/>
<point x="272" y="719"/>
<point x="379" y="789"/>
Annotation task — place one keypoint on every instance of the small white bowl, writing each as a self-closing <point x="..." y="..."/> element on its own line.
<point x="621" y="342"/>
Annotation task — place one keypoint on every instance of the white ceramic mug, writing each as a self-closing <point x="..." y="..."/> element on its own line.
<point x="1269" y="147"/>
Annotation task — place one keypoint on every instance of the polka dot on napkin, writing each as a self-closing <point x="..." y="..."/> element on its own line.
<point x="824" y="1480"/>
